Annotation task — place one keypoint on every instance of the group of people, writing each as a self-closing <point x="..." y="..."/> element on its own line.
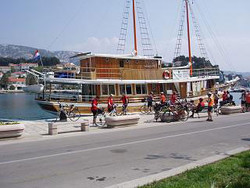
<point x="212" y="102"/>
<point x="95" y="110"/>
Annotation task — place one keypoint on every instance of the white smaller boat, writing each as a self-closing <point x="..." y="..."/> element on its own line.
<point x="37" y="88"/>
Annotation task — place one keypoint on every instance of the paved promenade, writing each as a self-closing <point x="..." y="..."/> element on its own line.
<point x="39" y="129"/>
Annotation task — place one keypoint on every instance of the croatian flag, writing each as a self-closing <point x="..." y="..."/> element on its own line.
<point x="37" y="56"/>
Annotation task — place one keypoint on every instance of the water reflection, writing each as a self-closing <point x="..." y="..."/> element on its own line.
<point x="21" y="106"/>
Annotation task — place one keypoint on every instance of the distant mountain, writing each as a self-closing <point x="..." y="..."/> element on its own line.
<point x="244" y="74"/>
<point x="17" y="51"/>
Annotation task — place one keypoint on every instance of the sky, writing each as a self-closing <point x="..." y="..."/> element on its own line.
<point x="94" y="25"/>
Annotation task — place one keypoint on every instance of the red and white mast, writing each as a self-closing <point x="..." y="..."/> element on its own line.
<point x="189" y="41"/>
<point x="134" y="21"/>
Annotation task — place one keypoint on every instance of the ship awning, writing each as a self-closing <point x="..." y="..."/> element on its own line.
<point x="116" y="81"/>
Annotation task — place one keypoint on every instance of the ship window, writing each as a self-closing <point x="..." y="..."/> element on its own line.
<point x="108" y="89"/>
<point x="121" y="63"/>
<point x="141" y="89"/>
<point x="126" y="88"/>
<point x="88" y="89"/>
<point x="105" y="90"/>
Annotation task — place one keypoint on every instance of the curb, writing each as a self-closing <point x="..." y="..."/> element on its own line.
<point x="178" y="170"/>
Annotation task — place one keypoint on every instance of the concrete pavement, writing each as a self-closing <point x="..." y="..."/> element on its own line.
<point x="120" y="155"/>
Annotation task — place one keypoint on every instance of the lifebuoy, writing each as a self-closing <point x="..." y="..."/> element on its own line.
<point x="166" y="74"/>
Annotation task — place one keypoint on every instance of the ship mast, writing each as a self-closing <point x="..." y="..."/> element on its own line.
<point x="134" y="21"/>
<point x="189" y="41"/>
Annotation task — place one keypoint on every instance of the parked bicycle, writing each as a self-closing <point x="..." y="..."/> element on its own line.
<point x="124" y="110"/>
<point x="101" y="118"/>
<point x="70" y="111"/>
<point x="144" y="109"/>
<point x="175" y="112"/>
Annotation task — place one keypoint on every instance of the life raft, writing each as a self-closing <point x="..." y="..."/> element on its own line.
<point x="166" y="74"/>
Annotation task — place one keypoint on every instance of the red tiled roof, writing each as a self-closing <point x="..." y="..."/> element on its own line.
<point x="11" y="79"/>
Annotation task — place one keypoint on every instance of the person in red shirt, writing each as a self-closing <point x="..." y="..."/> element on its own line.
<point x="124" y="100"/>
<point x="173" y="98"/>
<point x="163" y="98"/>
<point x="94" y="108"/>
<point x="224" y="96"/>
<point x="198" y="108"/>
<point x="110" y="103"/>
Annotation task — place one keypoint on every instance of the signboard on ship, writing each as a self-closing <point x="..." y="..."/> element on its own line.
<point x="181" y="74"/>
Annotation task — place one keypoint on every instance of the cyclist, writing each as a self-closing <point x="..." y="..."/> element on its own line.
<point x="110" y="103"/>
<point x="210" y="102"/>
<point x="150" y="99"/>
<point x="125" y="101"/>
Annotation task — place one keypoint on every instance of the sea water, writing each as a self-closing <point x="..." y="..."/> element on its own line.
<point x="21" y="106"/>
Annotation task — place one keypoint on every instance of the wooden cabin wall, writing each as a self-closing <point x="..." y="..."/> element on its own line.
<point x="183" y="90"/>
<point x="128" y="69"/>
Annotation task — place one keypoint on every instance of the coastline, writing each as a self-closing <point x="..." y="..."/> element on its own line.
<point x="11" y="91"/>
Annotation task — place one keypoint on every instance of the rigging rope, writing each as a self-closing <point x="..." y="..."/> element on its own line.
<point x="220" y="47"/>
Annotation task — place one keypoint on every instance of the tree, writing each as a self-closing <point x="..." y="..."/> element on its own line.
<point x="4" y="81"/>
<point x="31" y="80"/>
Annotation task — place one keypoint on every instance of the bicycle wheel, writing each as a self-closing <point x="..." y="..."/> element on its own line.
<point x="100" y="120"/>
<point x="183" y="115"/>
<point x="167" y="116"/>
<point x="74" y="115"/>
<point x="143" y="109"/>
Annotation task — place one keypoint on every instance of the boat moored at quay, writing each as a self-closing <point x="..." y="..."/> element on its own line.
<point x="136" y="76"/>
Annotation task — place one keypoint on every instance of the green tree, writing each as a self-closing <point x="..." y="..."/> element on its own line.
<point x="31" y="80"/>
<point x="4" y="80"/>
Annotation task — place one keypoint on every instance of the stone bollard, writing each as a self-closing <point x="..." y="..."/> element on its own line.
<point x="85" y="125"/>
<point x="52" y="128"/>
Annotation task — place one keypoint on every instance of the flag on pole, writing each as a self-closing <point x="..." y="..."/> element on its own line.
<point x="37" y="56"/>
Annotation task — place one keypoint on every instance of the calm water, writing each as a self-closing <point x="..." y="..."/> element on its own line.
<point x="21" y="107"/>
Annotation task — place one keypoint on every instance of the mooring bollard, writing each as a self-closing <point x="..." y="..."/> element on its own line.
<point x="52" y="128"/>
<point x="85" y="126"/>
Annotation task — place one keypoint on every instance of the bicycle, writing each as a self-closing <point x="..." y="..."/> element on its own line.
<point x="144" y="109"/>
<point x="175" y="112"/>
<point x="114" y="111"/>
<point x="124" y="110"/>
<point x="71" y="111"/>
<point x="101" y="118"/>
<point x="158" y="108"/>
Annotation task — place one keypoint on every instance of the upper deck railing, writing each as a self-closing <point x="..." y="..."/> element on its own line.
<point x="93" y="73"/>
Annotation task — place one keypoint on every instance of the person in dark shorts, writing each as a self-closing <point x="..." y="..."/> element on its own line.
<point x="210" y="102"/>
<point x="150" y="101"/>
<point x="94" y="108"/>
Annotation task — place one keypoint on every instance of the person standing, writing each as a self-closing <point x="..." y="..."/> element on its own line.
<point x="110" y="103"/>
<point x="150" y="100"/>
<point x="163" y="99"/>
<point x="94" y="108"/>
<point x="210" y="106"/>
<point x="243" y="100"/>
<point x="216" y="98"/>
<point x="124" y="100"/>
<point x="173" y="98"/>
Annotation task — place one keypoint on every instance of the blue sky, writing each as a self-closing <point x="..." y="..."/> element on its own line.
<point x="94" y="25"/>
